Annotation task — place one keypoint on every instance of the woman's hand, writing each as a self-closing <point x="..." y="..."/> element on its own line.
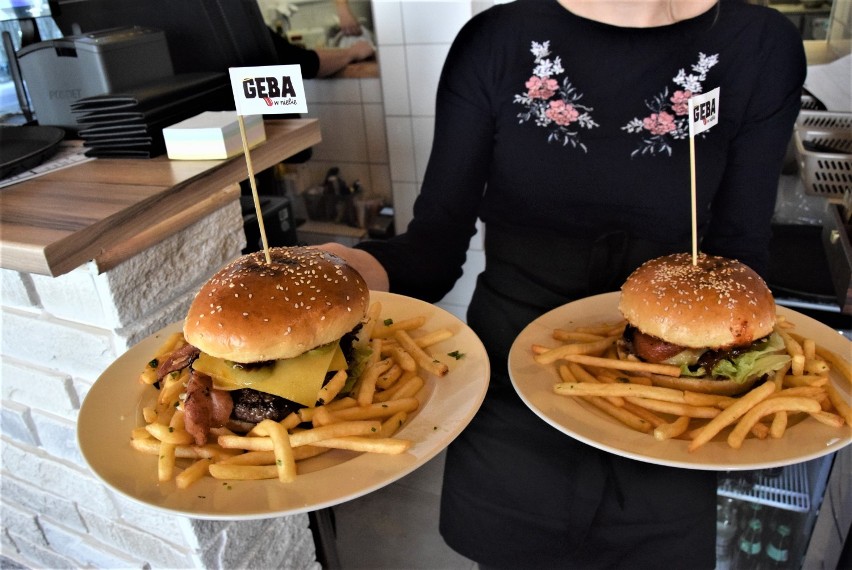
<point x="364" y="263"/>
<point x="348" y="22"/>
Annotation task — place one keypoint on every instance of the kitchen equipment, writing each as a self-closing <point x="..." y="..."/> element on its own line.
<point x="824" y="146"/>
<point x="823" y="142"/>
<point x="278" y="222"/>
<point x="836" y="240"/>
<point x="61" y="71"/>
<point x="25" y="147"/>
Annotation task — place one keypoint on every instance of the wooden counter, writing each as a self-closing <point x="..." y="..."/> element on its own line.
<point x="108" y="210"/>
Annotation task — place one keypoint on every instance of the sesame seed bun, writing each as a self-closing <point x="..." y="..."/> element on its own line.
<point x="254" y="311"/>
<point x="718" y="303"/>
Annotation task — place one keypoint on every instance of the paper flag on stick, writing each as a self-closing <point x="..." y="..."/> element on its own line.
<point x="265" y="90"/>
<point x="268" y="89"/>
<point x="703" y="112"/>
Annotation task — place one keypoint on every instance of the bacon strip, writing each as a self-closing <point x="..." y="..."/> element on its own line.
<point x="179" y="359"/>
<point x="205" y="407"/>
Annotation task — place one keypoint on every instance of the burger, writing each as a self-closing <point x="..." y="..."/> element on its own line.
<point x="713" y="318"/>
<point x="265" y="336"/>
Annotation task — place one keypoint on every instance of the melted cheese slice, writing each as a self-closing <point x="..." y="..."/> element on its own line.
<point x="298" y="379"/>
<point x="688" y="356"/>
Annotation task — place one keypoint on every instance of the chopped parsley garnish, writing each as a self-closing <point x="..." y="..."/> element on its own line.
<point x="456" y="354"/>
<point x="388" y="322"/>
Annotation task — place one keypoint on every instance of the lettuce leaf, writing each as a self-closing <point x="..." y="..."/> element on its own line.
<point x="769" y="358"/>
<point x="359" y="362"/>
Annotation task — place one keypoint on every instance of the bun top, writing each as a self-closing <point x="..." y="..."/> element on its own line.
<point x="717" y="303"/>
<point x="253" y="311"/>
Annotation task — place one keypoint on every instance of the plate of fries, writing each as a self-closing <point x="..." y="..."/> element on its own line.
<point x="351" y="446"/>
<point x="564" y="367"/>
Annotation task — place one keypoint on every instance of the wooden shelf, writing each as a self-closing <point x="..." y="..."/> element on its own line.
<point x="109" y="210"/>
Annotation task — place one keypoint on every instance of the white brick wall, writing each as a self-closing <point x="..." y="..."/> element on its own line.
<point x="56" y="337"/>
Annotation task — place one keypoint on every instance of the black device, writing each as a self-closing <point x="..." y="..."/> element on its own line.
<point x="278" y="222"/>
<point x="27" y="13"/>
<point x="382" y="225"/>
<point x="202" y="35"/>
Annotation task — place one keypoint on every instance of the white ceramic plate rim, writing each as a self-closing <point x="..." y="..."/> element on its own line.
<point x="533" y="382"/>
<point x="111" y="409"/>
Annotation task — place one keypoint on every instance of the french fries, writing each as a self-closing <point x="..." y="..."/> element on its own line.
<point x="589" y="371"/>
<point x="667" y="431"/>
<point x="363" y="416"/>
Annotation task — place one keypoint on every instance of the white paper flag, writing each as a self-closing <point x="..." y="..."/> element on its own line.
<point x="268" y="89"/>
<point x="703" y="112"/>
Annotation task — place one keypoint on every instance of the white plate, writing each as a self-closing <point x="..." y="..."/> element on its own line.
<point x="534" y="382"/>
<point x="113" y="407"/>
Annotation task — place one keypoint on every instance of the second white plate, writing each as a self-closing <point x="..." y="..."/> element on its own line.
<point x="803" y="441"/>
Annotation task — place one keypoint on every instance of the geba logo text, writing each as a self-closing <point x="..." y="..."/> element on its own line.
<point x="268" y="87"/>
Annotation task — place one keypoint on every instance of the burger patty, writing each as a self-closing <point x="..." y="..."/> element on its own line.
<point x="253" y="406"/>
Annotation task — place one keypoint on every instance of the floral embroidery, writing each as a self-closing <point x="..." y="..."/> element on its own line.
<point x="551" y="105"/>
<point x="668" y="118"/>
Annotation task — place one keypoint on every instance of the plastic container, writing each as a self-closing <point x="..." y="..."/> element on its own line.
<point x="816" y="120"/>
<point x="824" y="149"/>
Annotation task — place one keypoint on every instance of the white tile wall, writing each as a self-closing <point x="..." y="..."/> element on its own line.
<point x="433" y="21"/>
<point x="351" y="116"/>
<point x="423" y="129"/>
<point x="392" y="67"/>
<point x="401" y="154"/>
<point x="424" y="63"/>
<point x="387" y="18"/>
<point x="343" y="133"/>
<point x="414" y="37"/>
<point x="377" y="141"/>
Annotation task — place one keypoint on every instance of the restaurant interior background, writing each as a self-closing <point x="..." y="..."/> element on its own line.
<point x="376" y="123"/>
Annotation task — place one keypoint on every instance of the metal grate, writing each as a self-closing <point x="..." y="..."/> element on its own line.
<point x="788" y="491"/>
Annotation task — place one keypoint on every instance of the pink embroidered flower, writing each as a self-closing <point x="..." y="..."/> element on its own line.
<point x="679" y="102"/>
<point x="659" y="124"/>
<point x="561" y="113"/>
<point x="541" y="87"/>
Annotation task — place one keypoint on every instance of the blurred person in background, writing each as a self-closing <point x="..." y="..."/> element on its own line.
<point x="561" y="124"/>
<point x="318" y="61"/>
<point x="349" y="25"/>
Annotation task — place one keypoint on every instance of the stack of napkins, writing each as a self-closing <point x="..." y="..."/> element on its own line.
<point x="212" y="135"/>
<point x="130" y="123"/>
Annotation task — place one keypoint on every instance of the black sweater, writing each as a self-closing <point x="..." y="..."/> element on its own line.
<point x="546" y="121"/>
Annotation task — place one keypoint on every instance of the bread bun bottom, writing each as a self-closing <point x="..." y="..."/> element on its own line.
<point x="704" y="385"/>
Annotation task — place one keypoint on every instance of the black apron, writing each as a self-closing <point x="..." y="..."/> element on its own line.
<point x="517" y="493"/>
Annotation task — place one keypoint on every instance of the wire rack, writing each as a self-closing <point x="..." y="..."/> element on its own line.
<point x="789" y="490"/>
